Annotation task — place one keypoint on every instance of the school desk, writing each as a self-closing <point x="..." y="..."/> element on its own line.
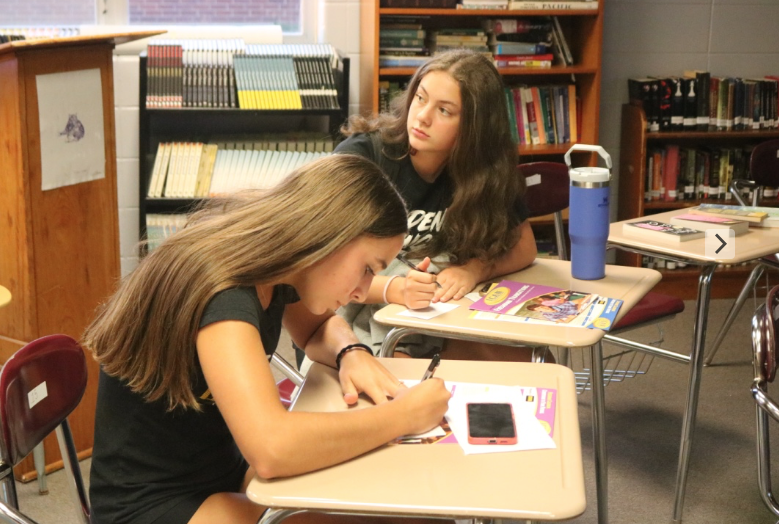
<point x="439" y="480"/>
<point x="629" y="284"/>
<point x="757" y="243"/>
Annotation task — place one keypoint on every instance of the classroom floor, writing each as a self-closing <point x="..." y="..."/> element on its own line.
<point x="643" y="420"/>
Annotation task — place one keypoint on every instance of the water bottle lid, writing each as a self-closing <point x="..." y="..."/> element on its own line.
<point x="590" y="175"/>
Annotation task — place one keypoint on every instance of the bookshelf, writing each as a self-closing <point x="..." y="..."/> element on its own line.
<point x="206" y="124"/>
<point x="583" y="31"/>
<point x="635" y="143"/>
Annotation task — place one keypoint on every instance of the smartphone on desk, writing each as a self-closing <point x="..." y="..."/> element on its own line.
<point x="491" y="424"/>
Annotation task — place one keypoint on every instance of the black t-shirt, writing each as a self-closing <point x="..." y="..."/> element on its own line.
<point x="146" y="459"/>
<point x="426" y="202"/>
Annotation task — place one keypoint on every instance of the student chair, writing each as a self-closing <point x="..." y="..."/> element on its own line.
<point x="40" y="385"/>
<point x="547" y="193"/>
<point x="764" y="345"/>
<point x="287" y="386"/>
<point x="763" y="172"/>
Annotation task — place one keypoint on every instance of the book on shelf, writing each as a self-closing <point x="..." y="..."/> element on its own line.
<point x="523" y="60"/>
<point x="538" y="304"/>
<point x="758" y="216"/>
<point x="560" y="42"/>
<point x="530" y="5"/>
<point x="704" y="222"/>
<point x="401" y="61"/>
<point x="483" y="4"/>
<point x="520" y="48"/>
<point x="660" y="231"/>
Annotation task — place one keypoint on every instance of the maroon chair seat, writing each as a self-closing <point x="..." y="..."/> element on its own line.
<point x="653" y="306"/>
<point x="286" y="387"/>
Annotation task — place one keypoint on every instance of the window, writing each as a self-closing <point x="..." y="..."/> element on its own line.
<point x="296" y="17"/>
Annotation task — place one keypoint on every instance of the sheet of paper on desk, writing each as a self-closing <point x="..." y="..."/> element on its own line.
<point x="534" y="414"/>
<point x="432" y="311"/>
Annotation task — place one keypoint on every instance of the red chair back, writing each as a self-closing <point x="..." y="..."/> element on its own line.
<point x="764" y="163"/>
<point x="547" y="187"/>
<point x="40" y="385"/>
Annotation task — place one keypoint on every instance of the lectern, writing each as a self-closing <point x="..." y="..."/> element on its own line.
<point x="59" y="234"/>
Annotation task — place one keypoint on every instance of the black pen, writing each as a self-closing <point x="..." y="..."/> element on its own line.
<point x="412" y="266"/>
<point x="432" y="367"/>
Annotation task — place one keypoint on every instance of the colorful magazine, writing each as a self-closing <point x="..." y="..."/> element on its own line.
<point x="536" y="304"/>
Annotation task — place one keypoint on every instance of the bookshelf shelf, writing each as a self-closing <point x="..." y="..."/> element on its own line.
<point x="187" y="124"/>
<point x="634" y="146"/>
<point x="496" y="13"/>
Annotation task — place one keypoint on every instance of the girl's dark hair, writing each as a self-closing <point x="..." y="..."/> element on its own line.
<point x="481" y="221"/>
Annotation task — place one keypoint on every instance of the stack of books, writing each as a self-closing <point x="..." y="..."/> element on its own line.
<point x="518" y="42"/>
<point x="543" y="114"/>
<point x="402" y="44"/>
<point x="445" y="39"/>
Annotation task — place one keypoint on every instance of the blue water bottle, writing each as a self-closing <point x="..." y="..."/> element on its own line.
<point x="588" y="219"/>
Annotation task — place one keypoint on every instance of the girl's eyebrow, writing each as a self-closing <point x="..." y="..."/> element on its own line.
<point x="446" y="102"/>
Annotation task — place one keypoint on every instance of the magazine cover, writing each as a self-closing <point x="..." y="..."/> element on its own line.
<point x="558" y="306"/>
<point x="507" y="295"/>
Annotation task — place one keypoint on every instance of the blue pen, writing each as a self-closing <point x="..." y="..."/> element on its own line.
<point x="412" y="266"/>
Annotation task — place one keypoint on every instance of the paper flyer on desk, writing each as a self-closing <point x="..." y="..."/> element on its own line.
<point x="534" y="414"/>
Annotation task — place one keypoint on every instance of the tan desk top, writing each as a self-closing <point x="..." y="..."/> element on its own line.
<point x="752" y="245"/>
<point x="5" y="296"/>
<point x="626" y="283"/>
<point x="438" y="479"/>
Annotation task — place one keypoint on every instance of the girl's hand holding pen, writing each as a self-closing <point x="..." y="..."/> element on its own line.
<point x="426" y="404"/>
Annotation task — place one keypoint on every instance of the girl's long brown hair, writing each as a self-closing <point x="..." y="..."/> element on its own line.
<point x="145" y="333"/>
<point x="481" y="220"/>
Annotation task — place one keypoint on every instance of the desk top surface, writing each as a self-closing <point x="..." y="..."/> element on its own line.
<point x="629" y="284"/>
<point x="5" y="296"/>
<point x="756" y="243"/>
<point x="438" y="479"/>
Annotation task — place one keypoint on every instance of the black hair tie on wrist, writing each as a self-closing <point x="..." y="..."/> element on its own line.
<point x="350" y="347"/>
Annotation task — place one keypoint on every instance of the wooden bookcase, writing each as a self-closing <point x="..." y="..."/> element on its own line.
<point x="635" y="142"/>
<point x="210" y="124"/>
<point x="60" y="245"/>
<point x="583" y="31"/>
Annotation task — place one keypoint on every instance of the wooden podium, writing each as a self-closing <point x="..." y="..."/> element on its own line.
<point x="59" y="234"/>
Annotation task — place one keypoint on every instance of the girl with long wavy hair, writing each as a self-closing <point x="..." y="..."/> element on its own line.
<point x="446" y="145"/>
<point x="188" y="411"/>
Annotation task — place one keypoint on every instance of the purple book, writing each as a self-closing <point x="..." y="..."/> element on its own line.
<point x="508" y="294"/>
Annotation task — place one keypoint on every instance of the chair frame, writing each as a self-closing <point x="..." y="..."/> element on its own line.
<point x="9" y="503"/>
<point x="764" y="341"/>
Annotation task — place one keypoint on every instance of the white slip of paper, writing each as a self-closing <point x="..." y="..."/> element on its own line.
<point x="431" y="311"/>
<point x="530" y="433"/>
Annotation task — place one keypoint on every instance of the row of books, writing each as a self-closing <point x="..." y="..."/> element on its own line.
<point x="517" y="5"/>
<point x="525" y="42"/>
<point x="671" y="265"/>
<point x="541" y="115"/>
<point x="676" y="173"/>
<point x="198" y="170"/>
<point x="228" y="73"/>
<point x="159" y="227"/>
<point x="699" y="101"/>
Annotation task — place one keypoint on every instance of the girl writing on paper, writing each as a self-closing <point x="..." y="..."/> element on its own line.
<point x="188" y="410"/>
<point x="447" y="147"/>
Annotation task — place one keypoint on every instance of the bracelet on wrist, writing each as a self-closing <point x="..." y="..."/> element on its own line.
<point x="386" y="287"/>
<point x="347" y="349"/>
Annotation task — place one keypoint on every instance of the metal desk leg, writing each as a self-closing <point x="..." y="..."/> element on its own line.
<point x="599" y="433"/>
<point x="749" y="286"/>
<point x="39" y="458"/>
<point x="694" y="386"/>
<point x="274" y="516"/>
<point x="391" y="340"/>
